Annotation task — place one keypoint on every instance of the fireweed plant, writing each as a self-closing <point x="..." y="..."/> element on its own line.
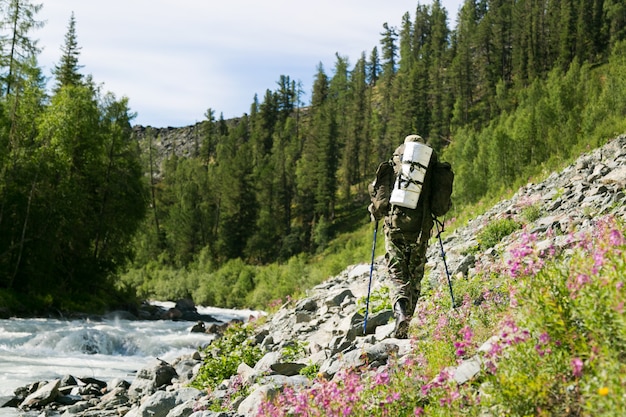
<point x="546" y="324"/>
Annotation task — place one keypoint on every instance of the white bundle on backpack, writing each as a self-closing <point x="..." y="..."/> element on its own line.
<point x="408" y="187"/>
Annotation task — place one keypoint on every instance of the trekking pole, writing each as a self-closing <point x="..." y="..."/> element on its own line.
<point x="369" y="286"/>
<point x="443" y="256"/>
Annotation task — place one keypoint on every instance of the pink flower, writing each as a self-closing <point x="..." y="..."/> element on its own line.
<point x="599" y="260"/>
<point x="467" y="333"/>
<point x="616" y="238"/>
<point x="577" y="367"/>
<point x="381" y="378"/>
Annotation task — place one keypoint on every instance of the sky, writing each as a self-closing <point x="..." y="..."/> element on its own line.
<point x="174" y="59"/>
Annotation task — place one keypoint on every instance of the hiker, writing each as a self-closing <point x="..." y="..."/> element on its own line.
<point x="400" y="194"/>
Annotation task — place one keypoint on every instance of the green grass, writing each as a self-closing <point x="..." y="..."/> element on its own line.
<point x="495" y="231"/>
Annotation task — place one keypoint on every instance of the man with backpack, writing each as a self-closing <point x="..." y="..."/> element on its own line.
<point x="401" y="195"/>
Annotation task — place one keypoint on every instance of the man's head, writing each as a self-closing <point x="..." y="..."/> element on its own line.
<point x="413" y="138"/>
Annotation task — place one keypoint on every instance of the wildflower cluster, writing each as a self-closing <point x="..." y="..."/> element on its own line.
<point x="567" y="357"/>
<point x="388" y="391"/>
<point x="525" y="259"/>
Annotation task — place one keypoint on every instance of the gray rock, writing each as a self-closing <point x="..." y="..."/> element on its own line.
<point x="336" y="299"/>
<point x="43" y="396"/>
<point x="160" y="403"/>
<point x="150" y="378"/>
<point x="250" y="406"/>
<point x="287" y="368"/>
<point x="467" y="370"/>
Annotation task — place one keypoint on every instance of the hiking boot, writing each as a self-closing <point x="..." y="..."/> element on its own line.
<point x="402" y="320"/>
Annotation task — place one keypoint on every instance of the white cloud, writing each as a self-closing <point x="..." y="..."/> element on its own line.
<point x="175" y="59"/>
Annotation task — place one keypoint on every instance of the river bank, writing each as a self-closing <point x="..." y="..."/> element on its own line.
<point x="106" y="347"/>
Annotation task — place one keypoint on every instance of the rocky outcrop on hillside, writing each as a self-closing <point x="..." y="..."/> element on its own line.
<point x="161" y="143"/>
<point x="326" y="326"/>
<point x="566" y="201"/>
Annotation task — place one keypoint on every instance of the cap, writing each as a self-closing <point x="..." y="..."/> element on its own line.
<point x="413" y="138"/>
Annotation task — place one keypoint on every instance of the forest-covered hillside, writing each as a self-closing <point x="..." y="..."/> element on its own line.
<point x="514" y="89"/>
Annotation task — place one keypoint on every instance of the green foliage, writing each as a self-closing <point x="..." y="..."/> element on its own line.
<point x="238" y="284"/>
<point x="311" y="371"/>
<point x="81" y="171"/>
<point x="293" y="350"/>
<point x="495" y="231"/>
<point x="225" y="354"/>
<point x="379" y="301"/>
<point x="531" y="213"/>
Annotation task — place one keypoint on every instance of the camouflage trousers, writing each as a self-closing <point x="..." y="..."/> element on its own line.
<point x="405" y="257"/>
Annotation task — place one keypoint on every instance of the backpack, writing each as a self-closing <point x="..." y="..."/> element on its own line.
<point x="380" y="190"/>
<point x="442" y="179"/>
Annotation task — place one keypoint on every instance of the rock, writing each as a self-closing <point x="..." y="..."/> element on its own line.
<point x="467" y="370"/>
<point x="250" y="406"/>
<point x="336" y="299"/>
<point x="114" y="398"/>
<point x="287" y="368"/>
<point x="43" y="396"/>
<point x="150" y="378"/>
<point x="8" y="401"/>
<point x="160" y="403"/>
<point x="199" y="327"/>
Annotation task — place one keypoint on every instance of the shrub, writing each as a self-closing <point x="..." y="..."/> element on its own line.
<point x="495" y="231"/>
<point x="224" y="355"/>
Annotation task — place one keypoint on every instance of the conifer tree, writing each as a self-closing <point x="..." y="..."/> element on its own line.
<point x="360" y="116"/>
<point x="389" y="50"/>
<point x="66" y="71"/>
<point x="384" y="91"/>
<point x="339" y="99"/>
<point x="317" y="168"/>
<point x="567" y="33"/>
<point x="237" y="205"/>
<point x="18" y="50"/>
<point x="614" y="26"/>
<point x="373" y="67"/>
<point x="440" y="101"/>
<point x="403" y="92"/>
<point x="263" y="123"/>
<point x="419" y="80"/>
<point x="463" y="69"/>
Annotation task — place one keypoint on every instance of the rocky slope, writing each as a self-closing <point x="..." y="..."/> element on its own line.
<point x="327" y="324"/>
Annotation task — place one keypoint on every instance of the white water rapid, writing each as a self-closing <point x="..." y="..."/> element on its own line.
<point x="45" y="349"/>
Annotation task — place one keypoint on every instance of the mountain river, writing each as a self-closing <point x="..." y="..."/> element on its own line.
<point x="45" y="349"/>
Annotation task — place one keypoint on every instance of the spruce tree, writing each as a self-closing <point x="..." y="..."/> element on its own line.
<point x="18" y="50"/>
<point x="66" y="72"/>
